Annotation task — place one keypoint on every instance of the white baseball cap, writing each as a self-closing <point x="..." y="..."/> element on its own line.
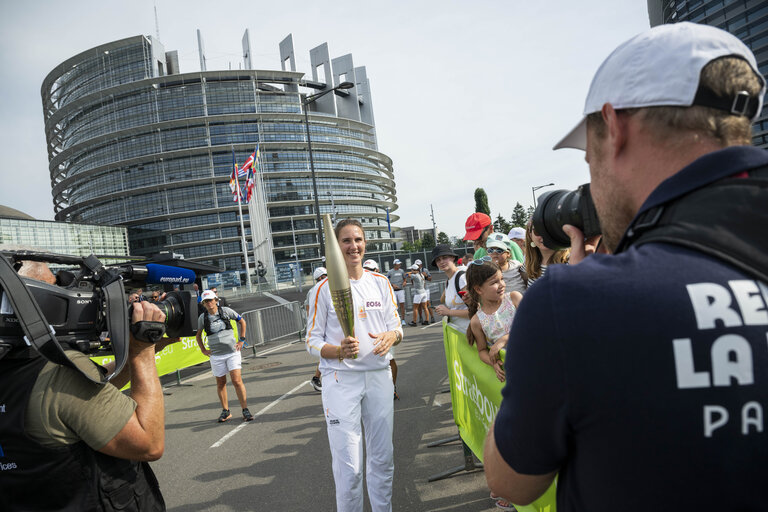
<point x="661" y="67"/>
<point x="498" y="240"/>
<point x="319" y="272"/>
<point x="370" y="265"/>
<point x="417" y="262"/>
<point x="516" y="233"/>
<point x="396" y="262"/>
<point x="208" y="294"/>
<point x="414" y="267"/>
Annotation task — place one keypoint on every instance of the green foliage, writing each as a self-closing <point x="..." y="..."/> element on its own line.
<point x="427" y="242"/>
<point x="408" y="247"/>
<point x="529" y="213"/>
<point x="500" y="225"/>
<point x="481" y="201"/>
<point x="519" y="216"/>
<point x="442" y="238"/>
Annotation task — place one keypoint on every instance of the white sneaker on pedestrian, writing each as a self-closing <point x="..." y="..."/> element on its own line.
<point x="317" y="384"/>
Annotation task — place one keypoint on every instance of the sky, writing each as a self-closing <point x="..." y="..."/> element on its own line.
<point x="465" y="94"/>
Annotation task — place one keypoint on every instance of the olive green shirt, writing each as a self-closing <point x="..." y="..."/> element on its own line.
<point x="65" y="407"/>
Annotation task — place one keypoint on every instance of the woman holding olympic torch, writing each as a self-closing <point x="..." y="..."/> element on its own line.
<point x="353" y="321"/>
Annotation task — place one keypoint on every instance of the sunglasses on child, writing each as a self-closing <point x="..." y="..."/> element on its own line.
<point x="496" y="250"/>
<point x="480" y="261"/>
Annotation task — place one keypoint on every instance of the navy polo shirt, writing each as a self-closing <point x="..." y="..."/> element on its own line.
<point x="642" y="377"/>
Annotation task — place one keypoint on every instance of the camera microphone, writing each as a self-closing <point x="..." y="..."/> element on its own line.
<point x="152" y="273"/>
<point x="164" y="274"/>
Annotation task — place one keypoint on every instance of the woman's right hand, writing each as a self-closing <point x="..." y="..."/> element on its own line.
<point x="442" y="310"/>
<point x="350" y="347"/>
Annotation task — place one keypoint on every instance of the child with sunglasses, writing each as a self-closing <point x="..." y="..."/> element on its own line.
<point x="499" y="247"/>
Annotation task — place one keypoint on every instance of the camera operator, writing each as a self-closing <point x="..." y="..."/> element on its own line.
<point x="68" y="443"/>
<point x="639" y="377"/>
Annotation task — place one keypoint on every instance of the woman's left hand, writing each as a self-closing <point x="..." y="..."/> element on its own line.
<point x="383" y="341"/>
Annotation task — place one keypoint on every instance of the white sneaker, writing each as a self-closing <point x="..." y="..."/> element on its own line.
<point x="403" y="322"/>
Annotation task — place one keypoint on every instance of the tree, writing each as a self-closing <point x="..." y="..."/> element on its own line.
<point x="407" y="247"/>
<point x="500" y="225"/>
<point x="481" y="201"/>
<point x="417" y="245"/>
<point x="427" y="242"/>
<point x="519" y="216"/>
<point x="442" y="238"/>
<point x="529" y="213"/>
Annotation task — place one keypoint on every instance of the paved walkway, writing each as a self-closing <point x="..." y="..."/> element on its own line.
<point x="281" y="461"/>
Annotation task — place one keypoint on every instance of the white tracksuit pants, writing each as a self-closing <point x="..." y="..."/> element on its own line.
<point x="349" y="398"/>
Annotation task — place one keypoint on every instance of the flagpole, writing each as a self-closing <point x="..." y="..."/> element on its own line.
<point x="256" y="241"/>
<point x="242" y="226"/>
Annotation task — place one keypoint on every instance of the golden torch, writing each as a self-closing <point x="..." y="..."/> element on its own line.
<point x="338" y="280"/>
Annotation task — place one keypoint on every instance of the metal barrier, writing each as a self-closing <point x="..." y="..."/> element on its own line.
<point x="274" y="323"/>
<point x="435" y="291"/>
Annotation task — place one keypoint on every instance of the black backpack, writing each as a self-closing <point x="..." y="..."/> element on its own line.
<point x="222" y="315"/>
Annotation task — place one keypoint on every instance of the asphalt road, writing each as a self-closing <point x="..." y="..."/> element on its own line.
<point x="281" y="460"/>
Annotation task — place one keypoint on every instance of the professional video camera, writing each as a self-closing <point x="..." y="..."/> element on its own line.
<point x="85" y="307"/>
<point x="560" y="207"/>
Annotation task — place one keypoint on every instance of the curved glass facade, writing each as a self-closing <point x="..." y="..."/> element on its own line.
<point x="746" y="19"/>
<point x="131" y="146"/>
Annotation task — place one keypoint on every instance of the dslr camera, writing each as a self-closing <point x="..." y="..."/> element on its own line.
<point x="86" y="309"/>
<point x="559" y="207"/>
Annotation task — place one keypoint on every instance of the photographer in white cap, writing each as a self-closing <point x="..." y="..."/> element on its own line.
<point x="640" y="377"/>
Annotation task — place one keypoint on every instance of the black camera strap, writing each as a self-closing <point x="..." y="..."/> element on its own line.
<point x="725" y="219"/>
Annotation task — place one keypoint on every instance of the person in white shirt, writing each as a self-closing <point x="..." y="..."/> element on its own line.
<point x="453" y="305"/>
<point x="357" y="380"/>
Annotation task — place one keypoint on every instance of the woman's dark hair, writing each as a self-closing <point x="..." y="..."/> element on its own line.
<point x="477" y="274"/>
<point x="348" y="222"/>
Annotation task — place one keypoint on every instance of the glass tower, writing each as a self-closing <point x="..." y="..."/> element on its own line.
<point x="746" y="19"/>
<point x="133" y="142"/>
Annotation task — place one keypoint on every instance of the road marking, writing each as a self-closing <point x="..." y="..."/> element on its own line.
<point x="279" y="300"/>
<point x="431" y="325"/>
<point x="242" y="426"/>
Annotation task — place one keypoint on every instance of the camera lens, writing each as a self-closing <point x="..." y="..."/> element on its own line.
<point x="560" y="207"/>
<point x="180" y="308"/>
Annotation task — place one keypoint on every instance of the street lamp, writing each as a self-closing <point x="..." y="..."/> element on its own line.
<point x="534" y="189"/>
<point x="305" y="105"/>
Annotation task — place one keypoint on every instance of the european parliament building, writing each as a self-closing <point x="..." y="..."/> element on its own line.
<point x="746" y="19"/>
<point x="132" y="141"/>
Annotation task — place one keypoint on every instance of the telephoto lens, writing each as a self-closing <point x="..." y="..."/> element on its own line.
<point x="180" y="310"/>
<point x="560" y="207"/>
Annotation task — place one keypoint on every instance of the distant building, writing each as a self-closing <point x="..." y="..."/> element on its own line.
<point x="746" y="19"/>
<point x="411" y="234"/>
<point x="18" y="228"/>
<point x="135" y="142"/>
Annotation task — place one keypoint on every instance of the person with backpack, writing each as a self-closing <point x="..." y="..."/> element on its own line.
<point x="453" y="305"/>
<point x="223" y="350"/>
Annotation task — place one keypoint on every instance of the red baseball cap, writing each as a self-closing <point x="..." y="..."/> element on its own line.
<point x="475" y="225"/>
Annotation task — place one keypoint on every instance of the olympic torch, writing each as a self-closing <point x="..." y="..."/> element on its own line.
<point x="338" y="280"/>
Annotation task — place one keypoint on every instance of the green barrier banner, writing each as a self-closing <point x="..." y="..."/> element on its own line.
<point x="476" y="397"/>
<point x="176" y="356"/>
